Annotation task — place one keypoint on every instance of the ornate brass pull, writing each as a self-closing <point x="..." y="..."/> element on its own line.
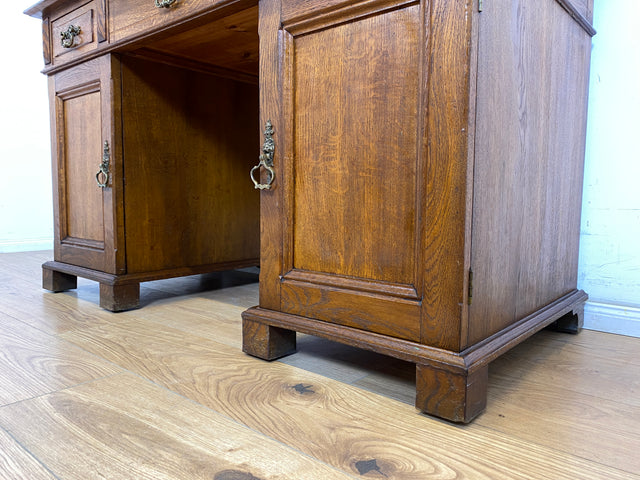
<point x="104" y="167"/>
<point x="164" y="3"/>
<point x="69" y="35"/>
<point x="266" y="159"/>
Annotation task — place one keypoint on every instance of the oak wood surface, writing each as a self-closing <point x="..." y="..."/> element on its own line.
<point x="88" y="219"/>
<point x="126" y="427"/>
<point x="354" y="177"/>
<point x="190" y="344"/>
<point x="188" y="145"/>
<point x="176" y="360"/>
<point x="456" y="151"/>
<point x="17" y="464"/>
<point x="184" y="146"/>
<point x="86" y="18"/>
<point x="529" y="155"/>
<point x="130" y="18"/>
<point x="230" y="42"/>
<point x="34" y="363"/>
<point x="271" y="232"/>
<point x="449" y="123"/>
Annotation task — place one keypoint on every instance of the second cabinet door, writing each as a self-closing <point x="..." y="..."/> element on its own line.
<point x="86" y="164"/>
<point x="349" y="164"/>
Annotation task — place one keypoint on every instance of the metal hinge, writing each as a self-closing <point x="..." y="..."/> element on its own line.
<point x="470" y="287"/>
<point x="479" y="5"/>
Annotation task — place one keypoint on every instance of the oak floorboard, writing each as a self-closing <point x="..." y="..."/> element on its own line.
<point x="560" y="406"/>
<point x="583" y="392"/>
<point x="17" y="464"/>
<point x="610" y="346"/>
<point x="582" y="425"/>
<point x="33" y="363"/>
<point x="217" y="320"/>
<point x="573" y="367"/>
<point x="124" y="427"/>
<point x="333" y="422"/>
<point x="24" y="265"/>
<point x="552" y="393"/>
<point x="221" y="295"/>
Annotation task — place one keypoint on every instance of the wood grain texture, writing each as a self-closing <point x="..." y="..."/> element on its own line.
<point x="271" y="224"/>
<point x="230" y="42"/>
<point x="126" y="427"/>
<point x="191" y="142"/>
<point x="267" y="342"/>
<point x="582" y="12"/>
<point x="315" y="407"/>
<point x="354" y="183"/>
<point x="190" y="344"/>
<point x="46" y="40"/>
<point x="101" y="20"/>
<point x="88" y="219"/>
<point x="528" y="173"/>
<point x="450" y="28"/>
<point x="127" y="19"/>
<point x="459" y="397"/>
<point x="84" y="16"/>
<point x="33" y="363"/>
<point x="353" y="308"/>
<point x="18" y="464"/>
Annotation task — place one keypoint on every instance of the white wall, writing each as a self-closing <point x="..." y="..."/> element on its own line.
<point x="610" y="239"/>
<point x="26" y="218"/>
<point x="609" y="269"/>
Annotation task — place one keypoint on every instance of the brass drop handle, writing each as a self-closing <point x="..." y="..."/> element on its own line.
<point x="266" y="159"/>
<point x="68" y="36"/>
<point x="164" y="3"/>
<point x="102" y="177"/>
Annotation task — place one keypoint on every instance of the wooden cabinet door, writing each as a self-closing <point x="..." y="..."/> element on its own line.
<point x="85" y="103"/>
<point x="341" y="224"/>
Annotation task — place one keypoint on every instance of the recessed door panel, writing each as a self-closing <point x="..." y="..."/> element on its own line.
<point x="355" y="147"/>
<point x="83" y="106"/>
<point x="349" y="153"/>
<point x="84" y="213"/>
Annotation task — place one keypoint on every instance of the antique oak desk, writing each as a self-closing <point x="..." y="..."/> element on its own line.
<point x="420" y="167"/>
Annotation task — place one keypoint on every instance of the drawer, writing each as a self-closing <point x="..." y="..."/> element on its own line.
<point x="75" y="33"/>
<point x="128" y="19"/>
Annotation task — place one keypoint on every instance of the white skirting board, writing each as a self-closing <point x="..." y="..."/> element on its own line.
<point x="606" y="317"/>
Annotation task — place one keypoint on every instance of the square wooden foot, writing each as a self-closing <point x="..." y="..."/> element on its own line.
<point x="58" y="281"/>
<point x="266" y="342"/>
<point x="458" y="397"/>
<point x="117" y="298"/>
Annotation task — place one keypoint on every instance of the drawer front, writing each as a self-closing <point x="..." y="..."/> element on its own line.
<point x="74" y="33"/>
<point x="128" y="19"/>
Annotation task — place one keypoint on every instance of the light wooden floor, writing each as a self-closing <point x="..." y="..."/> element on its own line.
<point x="164" y="392"/>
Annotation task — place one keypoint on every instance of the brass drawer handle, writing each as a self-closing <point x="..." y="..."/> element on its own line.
<point x="164" y="3"/>
<point x="104" y="167"/>
<point x="69" y="35"/>
<point x="266" y="159"/>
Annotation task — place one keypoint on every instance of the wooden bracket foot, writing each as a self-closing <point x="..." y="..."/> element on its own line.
<point x="456" y="396"/>
<point x="117" y="298"/>
<point x="266" y="342"/>
<point x="58" y="281"/>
